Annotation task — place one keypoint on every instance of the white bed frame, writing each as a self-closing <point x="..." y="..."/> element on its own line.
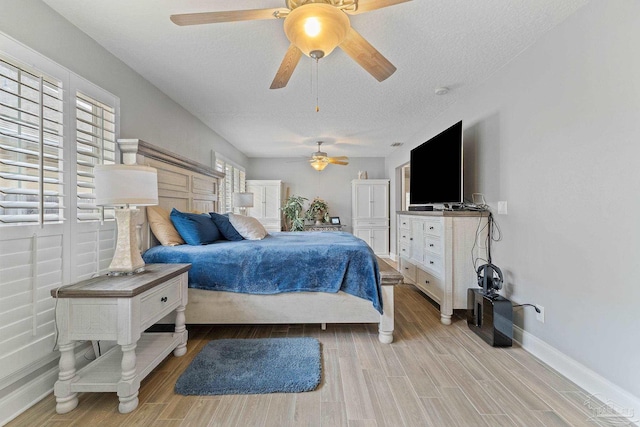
<point x="190" y="186"/>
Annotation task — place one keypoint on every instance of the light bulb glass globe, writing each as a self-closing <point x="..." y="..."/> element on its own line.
<point x="331" y="24"/>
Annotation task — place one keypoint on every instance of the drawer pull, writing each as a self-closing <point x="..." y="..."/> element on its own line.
<point x="163" y="299"/>
<point x="404" y="237"/>
<point x="431" y="262"/>
<point x="404" y="250"/>
<point x="427" y="282"/>
<point x="406" y="268"/>
<point x="431" y="244"/>
<point x="431" y="228"/>
<point x="410" y="238"/>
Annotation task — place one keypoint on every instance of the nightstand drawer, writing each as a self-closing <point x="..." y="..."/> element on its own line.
<point x="159" y="302"/>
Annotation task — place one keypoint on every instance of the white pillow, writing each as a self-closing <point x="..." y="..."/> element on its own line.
<point x="248" y="227"/>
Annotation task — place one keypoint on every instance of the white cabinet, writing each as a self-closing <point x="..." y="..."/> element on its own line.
<point x="436" y="252"/>
<point x="370" y="213"/>
<point x="267" y="201"/>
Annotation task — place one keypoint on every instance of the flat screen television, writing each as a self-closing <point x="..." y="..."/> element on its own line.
<point x="436" y="171"/>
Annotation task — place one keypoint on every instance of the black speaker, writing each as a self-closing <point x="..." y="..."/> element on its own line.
<point x="490" y="317"/>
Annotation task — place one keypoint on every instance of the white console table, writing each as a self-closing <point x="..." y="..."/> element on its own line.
<point x="119" y="308"/>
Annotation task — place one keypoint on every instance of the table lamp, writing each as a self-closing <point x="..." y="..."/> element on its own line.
<point x="121" y="186"/>
<point x="242" y="201"/>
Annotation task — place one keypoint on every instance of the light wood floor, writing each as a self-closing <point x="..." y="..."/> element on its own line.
<point x="432" y="375"/>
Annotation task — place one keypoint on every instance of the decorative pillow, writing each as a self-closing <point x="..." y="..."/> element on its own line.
<point x="195" y="229"/>
<point x="162" y="227"/>
<point x="225" y="227"/>
<point x="248" y="227"/>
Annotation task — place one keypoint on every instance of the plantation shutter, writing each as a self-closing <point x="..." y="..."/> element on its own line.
<point x="31" y="145"/>
<point x="95" y="144"/>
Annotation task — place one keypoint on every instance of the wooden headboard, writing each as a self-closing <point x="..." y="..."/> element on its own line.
<point x="183" y="184"/>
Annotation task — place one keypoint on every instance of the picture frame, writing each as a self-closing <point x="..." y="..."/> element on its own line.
<point x="334" y="220"/>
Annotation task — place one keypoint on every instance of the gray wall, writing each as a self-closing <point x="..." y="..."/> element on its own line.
<point x="145" y="111"/>
<point x="556" y="134"/>
<point x="332" y="184"/>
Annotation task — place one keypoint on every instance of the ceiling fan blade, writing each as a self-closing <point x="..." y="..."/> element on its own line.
<point x="227" y="16"/>
<point x="342" y="158"/>
<point x="369" y="5"/>
<point x="287" y="66"/>
<point x="367" y="56"/>
<point x="334" y="161"/>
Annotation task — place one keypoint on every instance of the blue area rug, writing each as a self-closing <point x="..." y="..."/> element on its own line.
<point x="253" y="366"/>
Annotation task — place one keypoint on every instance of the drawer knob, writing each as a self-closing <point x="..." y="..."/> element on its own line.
<point x="430" y="262"/>
<point x="406" y="268"/>
<point x="427" y="282"/>
<point x="404" y="250"/>
<point x="431" y="244"/>
<point x="410" y="238"/>
<point x="163" y="299"/>
<point x="430" y="228"/>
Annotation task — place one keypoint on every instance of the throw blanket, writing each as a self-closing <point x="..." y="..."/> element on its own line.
<point x="282" y="262"/>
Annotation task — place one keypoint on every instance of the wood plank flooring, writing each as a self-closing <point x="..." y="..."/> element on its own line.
<point x="432" y="375"/>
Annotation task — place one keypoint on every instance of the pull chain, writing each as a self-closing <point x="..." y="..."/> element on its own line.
<point x="317" y="87"/>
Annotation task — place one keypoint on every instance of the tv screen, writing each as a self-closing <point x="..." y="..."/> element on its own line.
<point x="436" y="169"/>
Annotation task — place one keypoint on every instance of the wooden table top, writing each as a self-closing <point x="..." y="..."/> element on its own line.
<point x="125" y="286"/>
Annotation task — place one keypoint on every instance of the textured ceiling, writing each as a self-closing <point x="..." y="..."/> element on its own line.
<point x="221" y="73"/>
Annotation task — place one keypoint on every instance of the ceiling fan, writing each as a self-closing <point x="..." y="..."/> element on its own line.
<point x="315" y="28"/>
<point x="319" y="159"/>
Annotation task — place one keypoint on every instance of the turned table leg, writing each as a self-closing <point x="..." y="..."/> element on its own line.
<point x="181" y="330"/>
<point x="127" y="389"/>
<point x="66" y="400"/>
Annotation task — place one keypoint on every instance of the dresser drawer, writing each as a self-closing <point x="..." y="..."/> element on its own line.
<point x="434" y="263"/>
<point x="405" y="250"/>
<point x="407" y="269"/>
<point x="403" y="223"/>
<point x="404" y="236"/>
<point x="429" y="283"/>
<point x="433" y="244"/>
<point x="159" y="302"/>
<point x="433" y="228"/>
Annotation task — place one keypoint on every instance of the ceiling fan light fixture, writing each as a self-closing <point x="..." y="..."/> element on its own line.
<point x="316" y="27"/>
<point x="319" y="164"/>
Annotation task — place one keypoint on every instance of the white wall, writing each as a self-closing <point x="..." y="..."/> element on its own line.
<point x="557" y="134"/>
<point x="332" y="184"/>
<point x="146" y="112"/>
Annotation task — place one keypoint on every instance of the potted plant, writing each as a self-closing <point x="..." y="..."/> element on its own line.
<point x="318" y="210"/>
<point x="292" y="210"/>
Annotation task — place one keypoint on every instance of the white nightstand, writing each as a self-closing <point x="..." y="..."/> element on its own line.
<point x="119" y="308"/>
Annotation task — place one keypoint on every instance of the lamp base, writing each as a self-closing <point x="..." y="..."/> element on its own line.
<point x="126" y="259"/>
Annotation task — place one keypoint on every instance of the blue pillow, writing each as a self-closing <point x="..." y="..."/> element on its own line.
<point x="225" y="227"/>
<point x="195" y="229"/>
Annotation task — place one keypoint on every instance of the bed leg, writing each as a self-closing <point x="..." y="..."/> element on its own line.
<point x="385" y="329"/>
<point x="323" y="326"/>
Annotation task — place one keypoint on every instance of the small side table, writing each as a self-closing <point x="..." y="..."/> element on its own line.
<point x="323" y="227"/>
<point x="119" y="308"/>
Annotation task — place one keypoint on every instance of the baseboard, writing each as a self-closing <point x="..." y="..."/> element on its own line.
<point x="33" y="391"/>
<point x="393" y="257"/>
<point x="613" y="396"/>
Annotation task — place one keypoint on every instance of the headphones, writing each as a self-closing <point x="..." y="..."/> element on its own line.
<point x="489" y="278"/>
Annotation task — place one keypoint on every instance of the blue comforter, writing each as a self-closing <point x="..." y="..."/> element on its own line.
<point x="282" y="262"/>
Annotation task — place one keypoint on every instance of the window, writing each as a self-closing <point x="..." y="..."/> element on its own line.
<point x="31" y="145"/>
<point x="234" y="181"/>
<point x="95" y="144"/>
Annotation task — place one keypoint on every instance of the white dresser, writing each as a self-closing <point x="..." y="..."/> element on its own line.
<point x="435" y="251"/>
<point x="370" y="213"/>
<point x="267" y="201"/>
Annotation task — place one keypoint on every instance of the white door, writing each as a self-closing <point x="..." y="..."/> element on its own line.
<point x="362" y="202"/>
<point x="364" y="234"/>
<point x="417" y="240"/>
<point x="378" y="201"/>
<point x="379" y="240"/>
<point x="257" y="211"/>
<point x="271" y="202"/>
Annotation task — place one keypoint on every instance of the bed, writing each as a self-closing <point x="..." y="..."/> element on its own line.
<point x="187" y="185"/>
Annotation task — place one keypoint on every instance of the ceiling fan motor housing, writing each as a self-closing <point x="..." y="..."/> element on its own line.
<point x="316" y="27"/>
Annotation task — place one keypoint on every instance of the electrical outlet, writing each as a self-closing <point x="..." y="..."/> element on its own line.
<point x="502" y="208"/>
<point x="540" y="316"/>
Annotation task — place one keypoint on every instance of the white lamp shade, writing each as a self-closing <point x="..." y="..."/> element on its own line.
<point x="242" y="200"/>
<point x="316" y="27"/>
<point x="118" y="185"/>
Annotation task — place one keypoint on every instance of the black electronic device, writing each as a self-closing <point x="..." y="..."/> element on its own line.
<point x="436" y="171"/>
<point x="490" y="278"/>
<point x="490" y="317"/>
<point x="420" y="208"/>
